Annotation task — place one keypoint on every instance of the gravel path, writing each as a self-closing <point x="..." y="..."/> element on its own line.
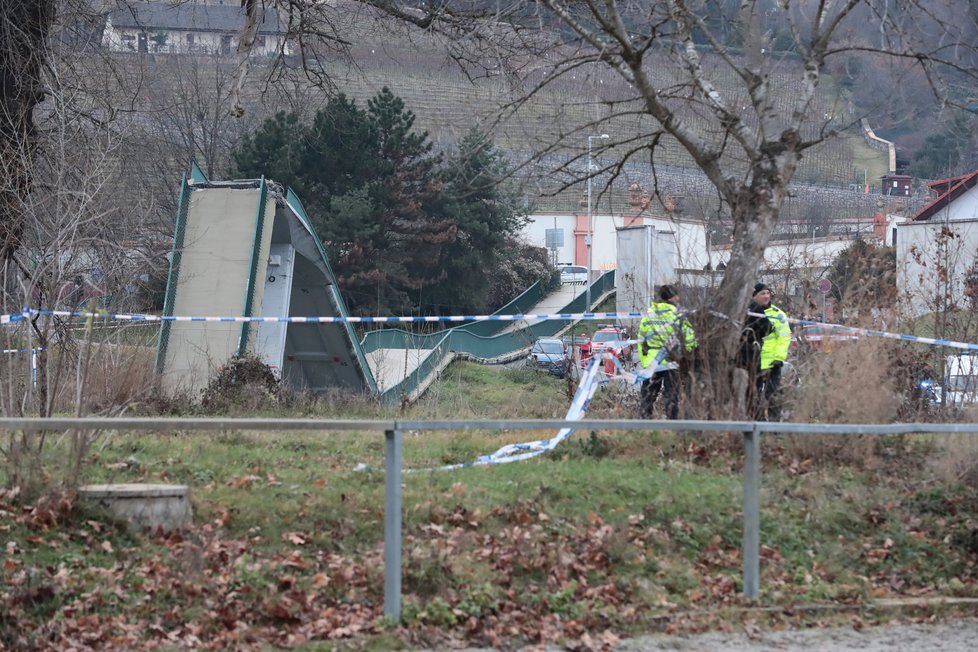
<point x="954" y="636"/>
<point x="957" y="635"/>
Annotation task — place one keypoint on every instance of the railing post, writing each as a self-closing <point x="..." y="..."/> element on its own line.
<point x="392" y="524"/>
<point x="752" y="514"/>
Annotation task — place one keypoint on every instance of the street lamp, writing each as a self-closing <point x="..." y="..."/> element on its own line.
<point x="590" y="222"/>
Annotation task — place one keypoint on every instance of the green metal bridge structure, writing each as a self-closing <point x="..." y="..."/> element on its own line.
<point x="247" y="248"/>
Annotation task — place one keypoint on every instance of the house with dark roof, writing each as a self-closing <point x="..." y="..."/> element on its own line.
<point x="937" y="248"/>
<point x="181" y="27"/>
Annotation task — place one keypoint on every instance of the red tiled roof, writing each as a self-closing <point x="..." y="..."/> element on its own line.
<point x="956" y="187"/>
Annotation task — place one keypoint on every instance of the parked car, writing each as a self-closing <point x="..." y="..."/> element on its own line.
<point x="822" y="338"/>
<point x="550" y="355"/>
<point x="609" y="338"/>
<point x="961" y="379"/>
<point x="573" y="274"/>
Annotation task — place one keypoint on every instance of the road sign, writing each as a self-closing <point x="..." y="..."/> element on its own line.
<point x="824" y="285"/>
<point x="554" y="238"/>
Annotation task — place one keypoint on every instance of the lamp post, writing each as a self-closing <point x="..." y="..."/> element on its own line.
<point x="590" y="223"/>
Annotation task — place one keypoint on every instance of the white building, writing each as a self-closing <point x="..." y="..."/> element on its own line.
<point x="692" y="249"/>
<point x="937" y="248"/>
<point x="794" y="266"/>
<point x="181" y="27"/>
<point x="572" y="233"/>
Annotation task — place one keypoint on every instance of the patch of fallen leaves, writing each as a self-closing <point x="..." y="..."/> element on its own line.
<point x="541" y="580"/>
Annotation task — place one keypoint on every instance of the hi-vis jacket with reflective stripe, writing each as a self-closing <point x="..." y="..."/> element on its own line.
<point x="774" y="346"/>
<point x="663" y="328"/>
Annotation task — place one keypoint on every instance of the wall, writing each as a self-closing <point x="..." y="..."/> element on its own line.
<point x="690" y="238"/>
<point x="815" y="252"/>
<point x="923" y="254"/>
<point x="964" y="207"/>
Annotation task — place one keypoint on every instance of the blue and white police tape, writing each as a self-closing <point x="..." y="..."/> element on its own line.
<point x="592" y="379"/>
<point x="969" y="346"/>
<point x="562" y="316"/>
<point x="578" y="408"/>
<point x="145" y="317"/>
<point x="527" y="450"/>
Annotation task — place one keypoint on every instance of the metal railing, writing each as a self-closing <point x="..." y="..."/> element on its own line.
<point x="393" y="456"/>
<point x="476" y="340"/>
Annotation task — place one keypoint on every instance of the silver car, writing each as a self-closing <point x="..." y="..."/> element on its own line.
<point x="550" y="355"/>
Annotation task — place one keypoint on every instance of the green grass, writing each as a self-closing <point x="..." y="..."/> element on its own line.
<point x="869" y="164"/>
<point x="961" y="325"/>
<point x="627" y="531"/>
<point x="588" y="327"/>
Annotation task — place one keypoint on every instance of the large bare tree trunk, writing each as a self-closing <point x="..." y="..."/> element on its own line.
<point x="24" y="28"/>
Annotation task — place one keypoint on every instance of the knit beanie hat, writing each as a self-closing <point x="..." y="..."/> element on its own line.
<point x="760" y="287"/>
<point x="667" y="292"/>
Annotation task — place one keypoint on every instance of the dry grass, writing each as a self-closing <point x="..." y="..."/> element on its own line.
<point x="853" y="383"/>
<point x="104" y="379"/>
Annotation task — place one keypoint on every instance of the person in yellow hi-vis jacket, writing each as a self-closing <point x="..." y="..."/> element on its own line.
<point x="774" y="350"/>
<point x="663" y="336"/>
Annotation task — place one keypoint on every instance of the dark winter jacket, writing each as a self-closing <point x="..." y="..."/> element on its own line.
<point x="753" y="333"/>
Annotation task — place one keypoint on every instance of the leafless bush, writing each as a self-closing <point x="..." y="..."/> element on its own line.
<point x="851" y="384"/>
<point x="243" y="382"/>
<point x="73" y="253"/>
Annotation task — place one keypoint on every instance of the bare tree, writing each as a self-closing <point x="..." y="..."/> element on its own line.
<point x="24" y="29"/>
<point x="68" y="244"/>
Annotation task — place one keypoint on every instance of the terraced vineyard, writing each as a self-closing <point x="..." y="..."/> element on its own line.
<point x="447" y="103"/>
<point x="546" y="136"/>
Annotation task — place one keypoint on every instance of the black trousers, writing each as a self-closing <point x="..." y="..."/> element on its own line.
<point x="667" y="383"/>
<point x="768" y="384"/>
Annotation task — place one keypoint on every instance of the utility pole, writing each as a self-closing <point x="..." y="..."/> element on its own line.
<point x="590" y="223"/>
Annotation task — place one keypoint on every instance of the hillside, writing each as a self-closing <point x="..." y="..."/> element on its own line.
<point x="541" y="135"/>
<point x="447" y="102"/>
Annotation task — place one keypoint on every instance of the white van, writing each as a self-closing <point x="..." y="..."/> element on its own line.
<point x="573" y="274"/>
<point x="961" y="379"/>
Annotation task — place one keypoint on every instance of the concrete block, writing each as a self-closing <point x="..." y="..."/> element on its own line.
<point x="165" y="506"/>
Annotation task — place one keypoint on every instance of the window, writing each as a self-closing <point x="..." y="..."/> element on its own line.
<point x="260" y="41"/>
<point x="190" y="39"/>
<point x="553" y="347"/>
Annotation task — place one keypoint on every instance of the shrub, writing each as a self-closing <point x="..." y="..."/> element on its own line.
<point x="244" y="381"/>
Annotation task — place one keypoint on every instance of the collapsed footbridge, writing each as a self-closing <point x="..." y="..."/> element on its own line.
<point x="248" y="275"/>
